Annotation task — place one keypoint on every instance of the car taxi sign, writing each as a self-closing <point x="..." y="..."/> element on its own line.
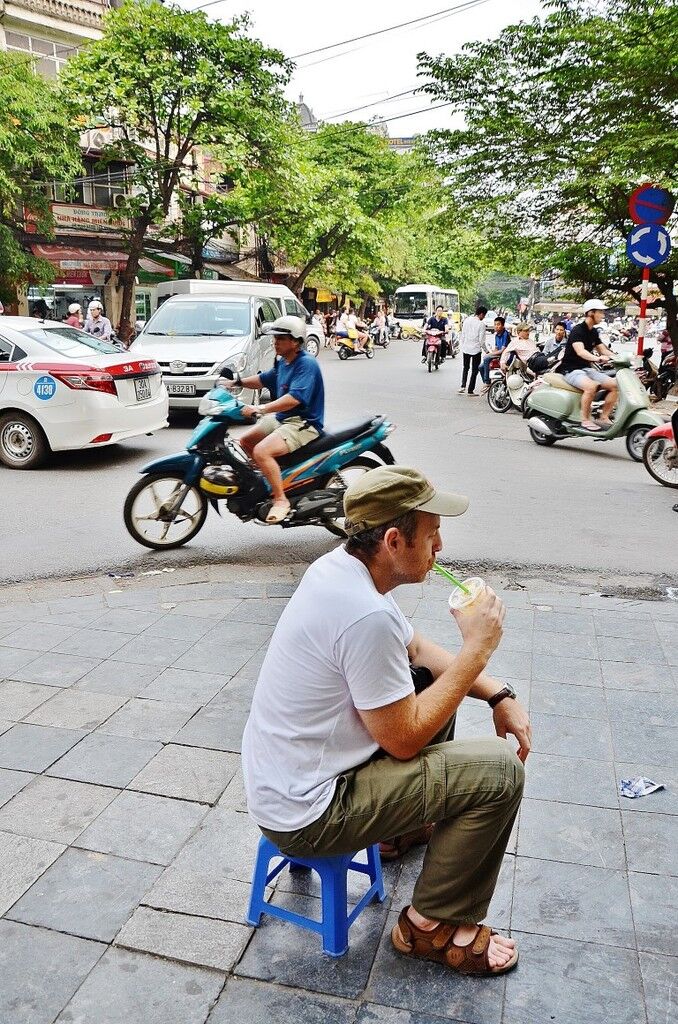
<point x="45" y="388"/>
<point x="648" y="245"/>
<point x="650" y="204"/>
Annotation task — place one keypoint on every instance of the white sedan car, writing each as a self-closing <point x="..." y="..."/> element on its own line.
<point x="62" y="389"/>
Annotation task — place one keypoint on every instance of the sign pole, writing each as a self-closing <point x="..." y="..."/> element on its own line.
<point x="643" y="311"/>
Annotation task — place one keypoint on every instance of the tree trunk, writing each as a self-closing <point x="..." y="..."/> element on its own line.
<point x="129" y="275"/>
<point x="197" y="261"/>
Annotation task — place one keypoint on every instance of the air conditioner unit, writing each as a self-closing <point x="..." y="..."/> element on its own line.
<point x="119" y="199"/>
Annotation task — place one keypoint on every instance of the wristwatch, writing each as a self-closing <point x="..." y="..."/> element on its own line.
<point x="506" y="691"/>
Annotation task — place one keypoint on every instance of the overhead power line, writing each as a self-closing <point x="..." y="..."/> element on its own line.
<point x="392" y="28"/>
<point x="375" y="103"/>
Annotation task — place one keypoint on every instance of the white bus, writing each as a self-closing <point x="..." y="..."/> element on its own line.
<point x="418" y="301"/>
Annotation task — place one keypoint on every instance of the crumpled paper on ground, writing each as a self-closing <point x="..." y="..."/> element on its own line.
<point x="639" y="786"/>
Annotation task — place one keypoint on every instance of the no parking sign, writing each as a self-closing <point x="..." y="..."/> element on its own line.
<point x="650" y="204"/>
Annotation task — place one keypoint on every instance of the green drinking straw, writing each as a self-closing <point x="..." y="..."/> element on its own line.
<point x="448" y="576"/>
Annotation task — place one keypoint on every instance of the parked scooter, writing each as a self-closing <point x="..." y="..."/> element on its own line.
<point x="509" y="389"/>
<point x="346" y="347"/>
<point x="433" y="340"/>
<point x="395" y="331"/>
<point x="660" y="453"/>
<point x="453" y="344"/>
<point x="169" y="505"/>
<point x="553" y="412"/>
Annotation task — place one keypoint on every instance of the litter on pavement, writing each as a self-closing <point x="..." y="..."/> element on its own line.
<point x="639" y="786"/>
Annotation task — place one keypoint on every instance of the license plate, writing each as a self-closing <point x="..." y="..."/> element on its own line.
<point x="142" y="388"/>
<point x="180" y="389"/>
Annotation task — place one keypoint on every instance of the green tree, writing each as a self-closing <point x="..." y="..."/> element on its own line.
<point x="169" y="84"/>
<point x="38" y="143"/>
<point x="564" y="116"/>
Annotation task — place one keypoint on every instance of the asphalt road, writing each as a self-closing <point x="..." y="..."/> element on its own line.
<point x="578" y="504"/>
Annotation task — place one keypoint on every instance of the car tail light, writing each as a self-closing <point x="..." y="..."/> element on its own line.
<point x="100" y="438"/>
<point x="88" y="380"/>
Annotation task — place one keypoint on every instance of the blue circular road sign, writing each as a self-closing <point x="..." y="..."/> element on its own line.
<point x="650" y="204"/>
<point x="648" y="245"/>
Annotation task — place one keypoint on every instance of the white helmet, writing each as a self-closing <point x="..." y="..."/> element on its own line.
<point x="287" y="327"/>
<point x="74" y="308"/>
<point x="95" y="304"/>
<point x="594" y="304"/>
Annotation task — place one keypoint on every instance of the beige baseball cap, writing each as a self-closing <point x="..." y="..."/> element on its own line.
<point x="388" y="492"/>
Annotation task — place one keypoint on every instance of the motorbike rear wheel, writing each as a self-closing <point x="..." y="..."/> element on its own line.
<point x="148" y="502"/>
<point x="543" y="440"/>
<point x="341" y="480"/>
<point x="429" y="361"/>
<point x="498" y="396"/>
<point x="343" y="352"/>
<point x="655" y="455"/>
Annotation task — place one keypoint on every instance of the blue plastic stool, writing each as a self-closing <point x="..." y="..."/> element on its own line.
<point x="333" y="872"/>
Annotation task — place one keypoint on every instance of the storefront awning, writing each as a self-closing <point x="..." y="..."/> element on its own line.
<point x="69" y="258"/>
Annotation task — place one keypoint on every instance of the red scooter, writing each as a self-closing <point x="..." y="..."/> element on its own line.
<point x="433" y="342"/>
<point x="660" y="453"/>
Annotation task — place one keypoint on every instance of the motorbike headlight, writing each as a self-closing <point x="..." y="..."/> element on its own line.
<point x="237" y="363"/>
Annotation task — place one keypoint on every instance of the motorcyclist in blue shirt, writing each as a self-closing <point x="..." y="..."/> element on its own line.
<point x="294" y="416"/>
<point x="501" y="339"/>
<point x="437" y="322"/>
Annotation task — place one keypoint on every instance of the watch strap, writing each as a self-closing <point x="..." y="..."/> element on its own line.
<point x="504" y="692"/>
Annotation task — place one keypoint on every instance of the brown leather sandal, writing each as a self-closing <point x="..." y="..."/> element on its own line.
<point x="437" y="945"/>
<point x="401" y="844"/>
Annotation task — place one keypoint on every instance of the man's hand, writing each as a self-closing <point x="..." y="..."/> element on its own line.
<point x="254" y="411"/>
<point x="481" y="624"/>
<point x="511" y="717"/>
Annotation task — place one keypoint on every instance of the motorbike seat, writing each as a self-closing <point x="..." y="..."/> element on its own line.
<point x="327" y="440"/>
<point x="556" y="380"/>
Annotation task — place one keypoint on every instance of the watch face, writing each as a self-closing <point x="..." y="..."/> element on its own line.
<point x="512" y="692"/>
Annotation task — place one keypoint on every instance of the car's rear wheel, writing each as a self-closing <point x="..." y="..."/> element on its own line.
<point x="23" y="444"/>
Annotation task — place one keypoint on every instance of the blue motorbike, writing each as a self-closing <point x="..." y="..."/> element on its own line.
<point x="169" y="505"/>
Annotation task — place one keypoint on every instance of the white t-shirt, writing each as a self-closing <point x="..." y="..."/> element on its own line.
<point x="339" y="645"/>
<point x="473" y="334"/>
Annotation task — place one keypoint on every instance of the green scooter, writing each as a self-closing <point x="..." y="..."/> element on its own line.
<point x="553" y="411"/>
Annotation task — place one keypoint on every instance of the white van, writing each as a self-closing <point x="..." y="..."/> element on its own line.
<point x="193" y="336"/>
<point x="285" y="300"/>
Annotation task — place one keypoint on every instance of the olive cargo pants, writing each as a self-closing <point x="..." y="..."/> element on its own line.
<point x="470" y="788"/>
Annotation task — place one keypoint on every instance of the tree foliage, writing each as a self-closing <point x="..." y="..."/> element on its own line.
<point x="564" y="116"/>
<point x="38" y="144"/>
<point x="169" y="84"/>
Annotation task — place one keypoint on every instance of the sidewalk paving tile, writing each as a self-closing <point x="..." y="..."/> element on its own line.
<point x="202" y="893"/>
<point x="651" y="842"/>
<point x="372" y="1013"/>
<point x="11" y="783"/>
<point x="570" y="671"/>
<point x="134" y="988"/>
<point x="187" y="773"/>
<point x="255" y="1003"/>
<point x="571" y="737"/>
<point x="143" y="827"/>
<point x="92" y="643"/>
<point x="225" y="658"/>
<point x="574" y="623"/>
<point x="86" y="894"/>
<point x="40" y="971"/>
<point x="54" y="669"/>
<point x="84" y="604"/>
<point x="208" y="609"/>
<point x="249" y="634"/>
<point x="18" y="699"/>
<point x="640" y="652"/>
<point x="23" y="860"/>
<point x="12" y="659"/>
<point x="620" y="675"/>
<point x="565" y="645"/>
<point x="75" y="709"/>
<point x="429" y="988"/>
<point x="127" y="620"/>
<point x="570" y="780"/>
<point x="671" y="653"/>
<point x="660" y="981"/>
<point x="193" y="940"/>
<point x="265" y="611"/>
<point x="666" y="631"/>
<point x="152" y="650"/>
<point x="181" y="627"/>
<point x="105" y="760"/>
<point x="32" y="748"/>
<point x="225" y="845"/>
<point x="634" y="741"/>
<point x="280" y="951"/>
<point x="36" y="638"/>
<point x="571" y="833"/>
<point x="573" y="982"/>
<point x="654" y="899"/>
<point x="571" y="701"/>
<point x="119" y="678"/>
<point x="572" y="901"/>
<point x="149" y="719"/>
<point x="183" y="685"/>
<point x="627" y="627"/>
<point x="662" y="709"/>
<point x="54" y="809"/>
<point x="218" y="728"/>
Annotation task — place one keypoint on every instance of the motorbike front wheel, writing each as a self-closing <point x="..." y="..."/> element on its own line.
<point x="341" y="480"/>
<point x="656" y="455"/>
<point x="430" y="361"/>
<point x="635" y="442"/>
<point x="162" y="512"/>
<point x="498" y="396"/>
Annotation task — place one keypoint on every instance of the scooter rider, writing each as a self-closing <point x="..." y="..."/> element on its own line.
<point x="437" y="322"/>
<point x="296" y="413"/>
<point x="583" y="354"/>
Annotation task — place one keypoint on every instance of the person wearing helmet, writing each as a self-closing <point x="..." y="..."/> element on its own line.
<point x="295" y="415"/>
<point x="583" y="354"/>
<point x="74" y="318"/>
<point x="96" y="324"/>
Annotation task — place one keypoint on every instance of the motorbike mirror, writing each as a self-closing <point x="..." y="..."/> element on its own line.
<point x="648" y="353"/>
<point x="227" y="372"/>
